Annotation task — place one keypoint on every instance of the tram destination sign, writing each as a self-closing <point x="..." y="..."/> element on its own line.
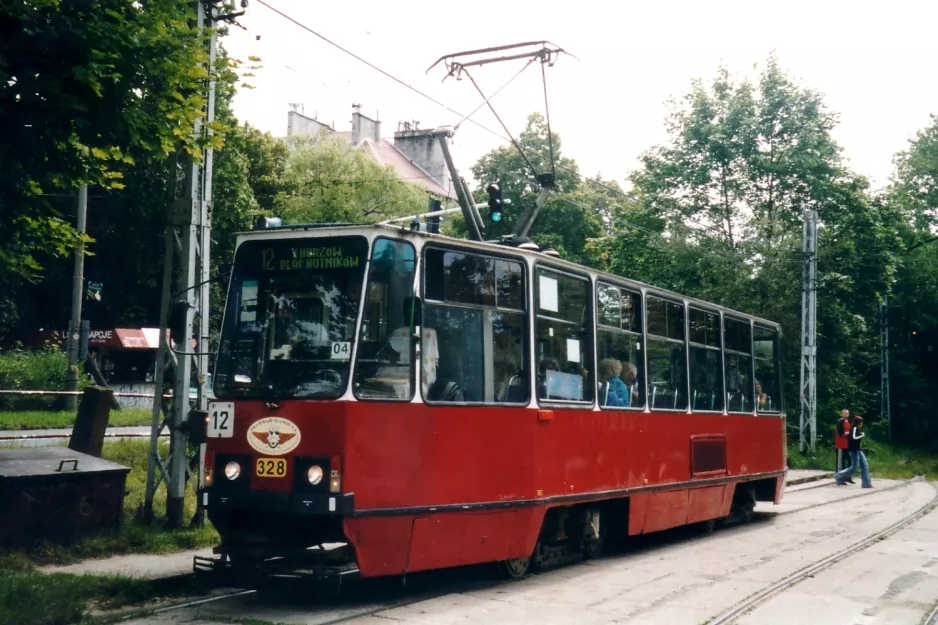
<point x="289" y="257"/>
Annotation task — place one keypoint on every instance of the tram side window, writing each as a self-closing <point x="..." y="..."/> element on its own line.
<point x="706" y="368"/>
<point x="564" y="348"/>
<point x="619" y="347"/>
<point x="768" y="383"/>
<point x="667" y="354"/>
<point x="737" y="343"/>
<point x="474" y="328"/>
<point x="384" y="367"/>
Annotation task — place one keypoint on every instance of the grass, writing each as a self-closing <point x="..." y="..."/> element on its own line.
<point x="30" y="596"/>
<point x="46" y="419"/>
<point x="887" y="460"/>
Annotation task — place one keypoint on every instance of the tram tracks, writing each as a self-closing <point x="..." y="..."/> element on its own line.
<point x="863" y="493"/>
<point x="355" y="610"/>
<point x="747" y="605"/>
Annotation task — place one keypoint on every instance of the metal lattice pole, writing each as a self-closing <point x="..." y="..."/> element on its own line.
<point x="884" y="407"/>
<point x="808" y="388"/>
<point x="187" y="256"/>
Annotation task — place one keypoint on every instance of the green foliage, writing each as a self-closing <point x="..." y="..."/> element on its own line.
<point x="32" y="598"/>
<point x="914" y="186"/>
<point x="741" y="165"/>
<point x="887" y="461"/>
<point x="573" y="213"/>
<point x="328" y="180"/>
<point x="131" y="85"/>
<point x="26" y="370"/>
<point x="43" y="419"/>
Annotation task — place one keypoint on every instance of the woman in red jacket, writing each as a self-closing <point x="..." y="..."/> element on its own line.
<point x="841" y="442"/>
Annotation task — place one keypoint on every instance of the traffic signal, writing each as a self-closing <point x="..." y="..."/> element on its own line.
<point x="495" y="202"/>
<point x="433" y="223"/>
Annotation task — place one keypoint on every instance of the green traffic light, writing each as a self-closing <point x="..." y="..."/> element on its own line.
<point x="496" y="217"/>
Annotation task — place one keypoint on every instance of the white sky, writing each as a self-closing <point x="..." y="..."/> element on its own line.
<point x="875" y="64"/>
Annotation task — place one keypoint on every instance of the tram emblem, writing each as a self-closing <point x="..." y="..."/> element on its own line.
<point x="273" y="436"/>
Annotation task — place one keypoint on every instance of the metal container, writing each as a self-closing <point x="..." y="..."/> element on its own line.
<point x="59" y="495"/>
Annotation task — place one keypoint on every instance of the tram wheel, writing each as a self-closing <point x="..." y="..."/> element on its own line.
<point x="515" y="568"/>
<point x="708" y="527"/>
<point x="746" y="506"/>
<point x="594" y="548"/>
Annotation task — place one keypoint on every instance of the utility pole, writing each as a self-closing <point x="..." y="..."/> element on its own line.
<point x="884" y="406"/>
<point x="187" y="256"/>
<point x="808" y="388"/>
<point x="78" y="291"/>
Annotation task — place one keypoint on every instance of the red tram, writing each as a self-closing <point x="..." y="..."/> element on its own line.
<point x="431" y="402"/>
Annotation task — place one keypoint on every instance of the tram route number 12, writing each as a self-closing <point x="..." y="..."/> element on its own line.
<point x="220" y="420"/>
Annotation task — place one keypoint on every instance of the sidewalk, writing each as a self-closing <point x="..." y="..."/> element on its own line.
<point x="803" y="476"/>
<point x="146" y="566"/>
<point x="180" y="563"/>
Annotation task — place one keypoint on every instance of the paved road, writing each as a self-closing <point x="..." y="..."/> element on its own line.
<point x="677" y="578"/>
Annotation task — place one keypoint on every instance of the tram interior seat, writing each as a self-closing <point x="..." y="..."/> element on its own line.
<point x="662" y="396"/>
<point x="737" y="401"/>
<point x="447" y="390"/>
<point x="516" y="389"/>
<point x="704" y="400"/>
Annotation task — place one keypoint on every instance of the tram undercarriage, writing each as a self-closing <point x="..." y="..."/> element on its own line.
<point x="264" y="544"/>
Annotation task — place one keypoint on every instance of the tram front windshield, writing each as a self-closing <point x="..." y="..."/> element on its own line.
<point x="290" y="318"/>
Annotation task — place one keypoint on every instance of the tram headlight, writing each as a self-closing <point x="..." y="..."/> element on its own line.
<point x="314" y="474"/>
<point x="232" y="470"/>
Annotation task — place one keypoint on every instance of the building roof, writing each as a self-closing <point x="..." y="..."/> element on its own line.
<point x="382" y="151"/>
<point x="386" y="153"/>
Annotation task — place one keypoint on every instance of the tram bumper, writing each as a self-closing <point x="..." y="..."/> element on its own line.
<point x="306" y="504"/>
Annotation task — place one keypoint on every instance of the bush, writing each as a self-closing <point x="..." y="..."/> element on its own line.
<point x="25" y="370"/>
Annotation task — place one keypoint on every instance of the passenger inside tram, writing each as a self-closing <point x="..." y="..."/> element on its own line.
<point x="613" y="390"/>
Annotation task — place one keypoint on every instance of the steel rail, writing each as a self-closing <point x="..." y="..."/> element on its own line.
<point x="932" y="618"/>
<point x="867" y="493"/>
<point x="423" y="597"/>
<point x="64" y="437"/>
<point x="747" y="605"/>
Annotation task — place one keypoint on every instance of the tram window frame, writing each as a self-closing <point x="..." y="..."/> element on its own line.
<point x="710" y="347"/>
<point x="430" y="301"/>
<point x="586" y="342"/>
<point x="779" y="407"/>
<point x="727" y="351"/>
<point x="653" y="338"/>
<point x="633" y="331"/>
<point x="360" y="338"/>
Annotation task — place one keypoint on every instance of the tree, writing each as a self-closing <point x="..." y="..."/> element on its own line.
<point x="744" y="162"/>
<point x="730" y="186"/>
<point x="130" y="88"/>
<point x="328" y="180"/>
<point x="913" y="298"/>
<point x="914" y="185"/>
<point x="573" y="213"/>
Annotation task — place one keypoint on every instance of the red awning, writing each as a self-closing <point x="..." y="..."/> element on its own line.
<point x="131" y="338"/>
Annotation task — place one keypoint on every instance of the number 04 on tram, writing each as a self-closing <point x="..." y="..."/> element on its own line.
<point x="429" y="402"/>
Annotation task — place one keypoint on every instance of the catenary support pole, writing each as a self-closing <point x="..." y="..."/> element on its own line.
<point x="184" y="359"/>
<point x="78" y="292"/>
<point x="808" y="386"/>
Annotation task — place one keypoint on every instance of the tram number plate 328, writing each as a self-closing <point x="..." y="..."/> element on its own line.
<point x="271" y="467"/>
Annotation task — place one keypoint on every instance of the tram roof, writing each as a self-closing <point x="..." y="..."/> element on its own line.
<point x="301" y="230"/>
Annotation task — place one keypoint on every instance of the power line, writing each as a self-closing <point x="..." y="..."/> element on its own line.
<point x="495" y="133"/>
